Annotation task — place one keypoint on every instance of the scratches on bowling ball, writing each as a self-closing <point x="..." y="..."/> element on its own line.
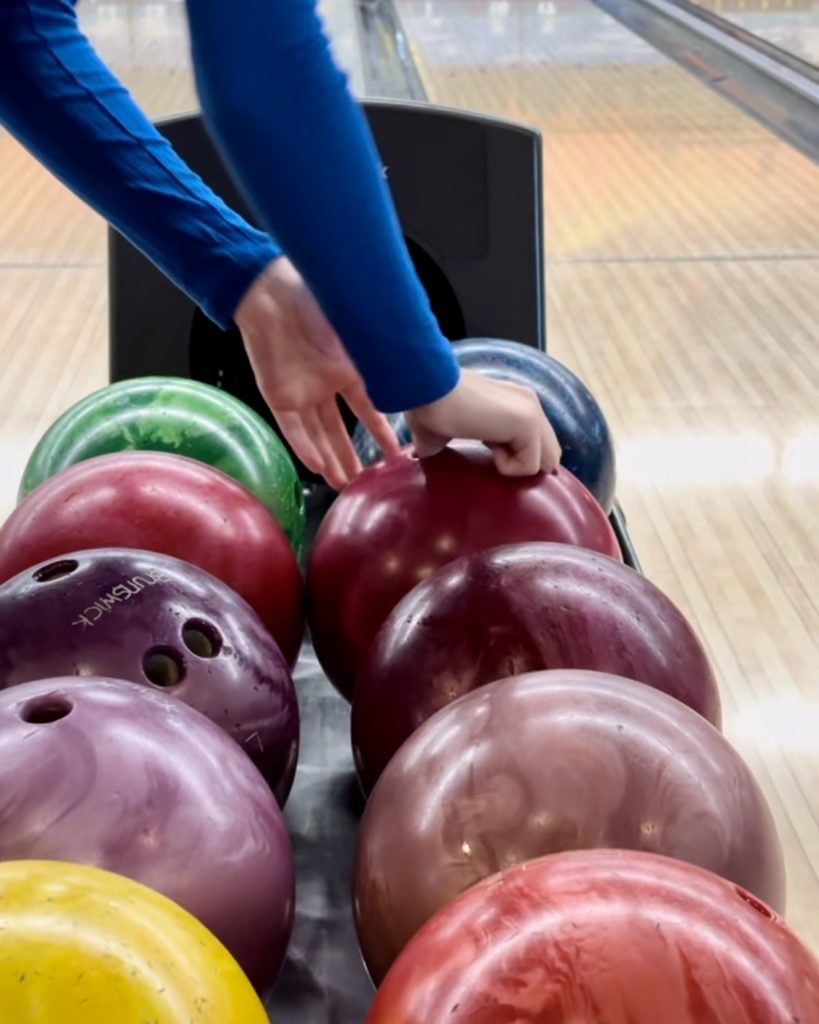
<point x="254" y="736"/>
<point x="756" y="904"/>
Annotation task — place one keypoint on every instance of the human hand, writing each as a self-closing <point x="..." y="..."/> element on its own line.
<point x="301" y="368"/>
<point x="508" y="418"/>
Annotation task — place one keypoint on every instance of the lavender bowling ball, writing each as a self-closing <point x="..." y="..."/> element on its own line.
<point x="116" y="775"/>
<point x="160" y="621"/>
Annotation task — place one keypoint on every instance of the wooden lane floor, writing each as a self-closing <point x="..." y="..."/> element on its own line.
<point x="683" y="284"/>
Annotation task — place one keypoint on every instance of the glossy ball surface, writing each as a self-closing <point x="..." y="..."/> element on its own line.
<point x="545" y="763"/>
<point x="602" y="937"/>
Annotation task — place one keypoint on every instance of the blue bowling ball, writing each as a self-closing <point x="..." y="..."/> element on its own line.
<point x="581" y="427"/>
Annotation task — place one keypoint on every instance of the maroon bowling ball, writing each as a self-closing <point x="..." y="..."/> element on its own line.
<point x="515" y="609"/>
<point x="602" y="937"/>
<point x="402" y="519"/>
<point x="156" y="620"/>
<point x="118" y="776"/>
<point x="544" y="763"/>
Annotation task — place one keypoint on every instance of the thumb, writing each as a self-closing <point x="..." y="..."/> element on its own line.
<point x="427" y="442"/>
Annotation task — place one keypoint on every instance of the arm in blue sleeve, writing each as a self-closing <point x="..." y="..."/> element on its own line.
<point x="65" y="107"/>
<point x="300" y="147"/>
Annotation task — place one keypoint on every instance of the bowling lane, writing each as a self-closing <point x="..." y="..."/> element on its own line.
<point x="792" y="25"/>
<point x="682" y="261"/>
<point x="52" y="349"/>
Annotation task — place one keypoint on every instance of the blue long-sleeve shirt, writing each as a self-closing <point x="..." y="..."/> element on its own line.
<point x="298" y="145"/>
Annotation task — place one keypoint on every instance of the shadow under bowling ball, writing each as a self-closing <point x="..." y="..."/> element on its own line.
<point x="128" y="779"/>
<point x="603" y="937"/>
<point x="544" y="763"/>
<point x="402" y="519"/>
<point x="515" y="609"/>
<point x="162" y="622"/>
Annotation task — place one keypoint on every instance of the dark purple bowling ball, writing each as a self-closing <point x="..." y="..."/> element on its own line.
<point x="514" y="609"/>
<point x="115" y="775"/>
<point x="157" y="620"/>
<point x="544" y="763"/>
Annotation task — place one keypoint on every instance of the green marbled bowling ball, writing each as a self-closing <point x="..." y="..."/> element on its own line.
<point x="185" y="417"/>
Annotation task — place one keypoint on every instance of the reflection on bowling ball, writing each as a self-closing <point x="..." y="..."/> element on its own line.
<point x="402" y="519"/>
<point x="578" y="420"/>
<point x="515" y="609"/>
<point x="113" y="774"/>
<point x="544" y="763"/>
<point x="602" y="937"/>
<point x="154" y="501"/>
<point x="157" y="620"/>
<point x="79" y="945"/>
<point x="185" y="417"/>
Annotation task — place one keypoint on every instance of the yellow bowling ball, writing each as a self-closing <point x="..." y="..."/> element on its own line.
<point x="79" y="945"/>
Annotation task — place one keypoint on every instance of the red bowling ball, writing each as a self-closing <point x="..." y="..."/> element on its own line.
<point x="602" y="937"/>
<point x="125" y="778"/>
<point x="404" y="518"/>
<point x="545" y="763"/>
<point x="515" y="609"/>
<point x="168" y="503"/>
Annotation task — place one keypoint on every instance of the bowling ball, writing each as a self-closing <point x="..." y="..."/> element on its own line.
<point x="578" y="420"/>
<point x="112" y="774"/>
<point x="156" y="620"/>
<point x="515" y="609"/>
<point x="154" y="501"/>
<point x="602" y="937"/>
<point x="544" y="763"/>
<point x="184" y="417"/>
<point x="402" y="519"/>
<point x="79" y="945"/>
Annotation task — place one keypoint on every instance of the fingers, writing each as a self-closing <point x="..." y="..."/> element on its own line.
<point x="293" y="429"/>
<point x="551" y="452"/>
<point x="523" y="461"/>
<point x="326" y="441"/>
<point x="535" y="449"/>
<point x="320" y="439"/>
<point x="307" y="437"/>
<point x="376" y="422"/>
<point x="339" y="441"/>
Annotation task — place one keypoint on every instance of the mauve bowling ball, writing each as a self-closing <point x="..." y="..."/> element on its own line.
<point x="602" y="937"/>
<point x="545" y="763"/>
<point x="186" y="417"/>
<point x="578" y="420"/>
<point x="515" y="609"/>
<point x="168" y="503"/>
<point x="116" y="775"/>
<point x="154" y="619"/>
<point x="402" y="519"/>
<point x="79" y="945"/>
